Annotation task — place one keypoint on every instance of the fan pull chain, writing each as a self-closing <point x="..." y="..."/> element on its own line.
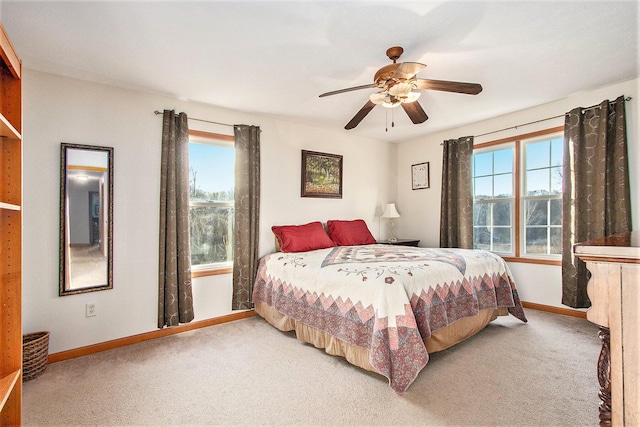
<point x="386" y="120"/>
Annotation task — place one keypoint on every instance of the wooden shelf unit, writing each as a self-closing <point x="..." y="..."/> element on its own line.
<point x="10" y="233"/>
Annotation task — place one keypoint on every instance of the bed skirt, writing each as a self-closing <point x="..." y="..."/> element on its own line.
<point x="359" y="356"/>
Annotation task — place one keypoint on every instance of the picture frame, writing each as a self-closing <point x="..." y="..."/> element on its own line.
<point x="321" y="175"/>
<point x="420" y="176"/>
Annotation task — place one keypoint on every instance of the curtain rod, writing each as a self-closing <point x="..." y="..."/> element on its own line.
<point x="628" y="98"/>
<point x="156" y="112"/>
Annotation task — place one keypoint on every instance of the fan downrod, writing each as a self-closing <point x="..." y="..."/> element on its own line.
<point x="394" y="53"/>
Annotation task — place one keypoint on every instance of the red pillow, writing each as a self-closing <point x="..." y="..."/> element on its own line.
<point x="302" y="238"/>
<point x="350" y="233"/>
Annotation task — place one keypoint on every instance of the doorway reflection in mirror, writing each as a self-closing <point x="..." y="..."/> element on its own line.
<point x="86" y="225"/>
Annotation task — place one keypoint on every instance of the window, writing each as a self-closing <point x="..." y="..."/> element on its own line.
<point x="542" y="197"/>
<point x="517" y="196"/>
<point x="211" y="210"/>
<point x="494" y="198"/>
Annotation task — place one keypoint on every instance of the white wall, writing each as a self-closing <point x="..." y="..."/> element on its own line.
<point x="420" y="209"/>
<point x="58" y="109"/>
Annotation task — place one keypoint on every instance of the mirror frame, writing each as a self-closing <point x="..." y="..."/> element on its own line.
<point x="63" y="288"/>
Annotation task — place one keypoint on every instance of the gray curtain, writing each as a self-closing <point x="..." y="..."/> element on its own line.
<point x="596" y="197"/>
<point x="456" y="208"/>
<point x="247" y="214"/>
<point x="175" y="301"/>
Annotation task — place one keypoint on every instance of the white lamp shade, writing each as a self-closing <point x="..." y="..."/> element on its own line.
<point x="383" y="98"/>
<point x="400" y="90"/>
<point x="390" y="211"/>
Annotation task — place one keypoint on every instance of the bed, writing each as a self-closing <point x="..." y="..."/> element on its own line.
<point x="383" y="308"/>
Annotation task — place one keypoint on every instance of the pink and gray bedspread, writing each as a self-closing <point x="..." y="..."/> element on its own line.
<point x="386" y="298"/>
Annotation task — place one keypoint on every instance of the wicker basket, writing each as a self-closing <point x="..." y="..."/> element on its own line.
<point x="35" y="349"/>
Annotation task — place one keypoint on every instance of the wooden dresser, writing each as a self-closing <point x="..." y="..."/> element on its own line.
<point x="614" y="290"/>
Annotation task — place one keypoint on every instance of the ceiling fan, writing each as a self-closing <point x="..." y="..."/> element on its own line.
<point x="397" y="84"/>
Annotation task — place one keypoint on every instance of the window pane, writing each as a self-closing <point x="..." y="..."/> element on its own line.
<point x="502" y="239"/>
<point x="481" y="238"/>
<point x="503" y="185"/>
<point x="535" y="212"/>
<point x="211" y="172"/>
<point x="503" y="161"/>
<point x="556" y="152"/>
<point x="537" y="155"/>
<point x="211" y="234"/>
<point x="481" y="213"/>
<point x="536" y="240"/>
<point x="556" y="180"/>
<point x="483" y="164"/>
<point x="483" y="187"/>
<point x="502" y="213"/>
<point x="537" y="182"/>
<point x="555" y="212"/>
<point x="556" y="240"/>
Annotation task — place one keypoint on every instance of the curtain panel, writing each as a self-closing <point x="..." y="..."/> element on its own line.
<point x="596" y="196"/>
<point x="456" y="207"/>
<point x="175" y="300"/>
<point x="247" y="214"/>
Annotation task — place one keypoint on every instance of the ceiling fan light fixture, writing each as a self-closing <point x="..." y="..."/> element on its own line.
<point x="384" y="99"/>
<point x="378" y="98"/>
<point x="411" y="97"/>
<point x="400" y="89"/>
<point x="392" y="104"/>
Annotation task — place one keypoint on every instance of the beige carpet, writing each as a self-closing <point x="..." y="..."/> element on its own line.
<point x="248" y="373"/>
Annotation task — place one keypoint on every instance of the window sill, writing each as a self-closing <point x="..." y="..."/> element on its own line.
<point x="533" y="260"/>
<point x="214" y="271"/>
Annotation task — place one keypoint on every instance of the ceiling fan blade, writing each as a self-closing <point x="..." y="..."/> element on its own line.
<point x="415" y="112"/>
<point x="458" y="87"/>
<point x="360" y="115"/>
<point x="407" y="70"/>
<point x="349" y="89"/>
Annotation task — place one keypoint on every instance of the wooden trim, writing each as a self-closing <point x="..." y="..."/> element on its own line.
<point x="516" y="192"/>
<point x="533" y="260"/>
<point x="555" y="310"/>
<point x="212" y="272"/>
<point x="87" y="168"/>
<point x="146" y="336"/>
<point x="211" y="135"/>
<point x="610" y="259"/>
<point x="517" y="138"/>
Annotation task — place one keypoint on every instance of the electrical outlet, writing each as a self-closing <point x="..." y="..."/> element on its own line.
<point x="90" y="310"/>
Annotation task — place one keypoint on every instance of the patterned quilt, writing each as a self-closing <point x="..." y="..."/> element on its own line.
<point x="386" y="298"/>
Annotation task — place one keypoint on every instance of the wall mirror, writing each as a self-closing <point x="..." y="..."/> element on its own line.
<point x="86" y="218"/>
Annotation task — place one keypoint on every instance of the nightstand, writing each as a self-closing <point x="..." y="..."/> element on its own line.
<point x="400" y="242"/>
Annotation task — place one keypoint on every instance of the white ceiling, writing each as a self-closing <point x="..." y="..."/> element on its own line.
<point x="275" y="57"/>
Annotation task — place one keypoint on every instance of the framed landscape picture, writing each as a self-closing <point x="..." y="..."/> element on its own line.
<point x="420" y="176"/>
<point x="321" y="175"/>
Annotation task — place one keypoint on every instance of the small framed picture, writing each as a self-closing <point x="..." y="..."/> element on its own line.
<point x="420" y="176"/>
<point x="321" y="175"/>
